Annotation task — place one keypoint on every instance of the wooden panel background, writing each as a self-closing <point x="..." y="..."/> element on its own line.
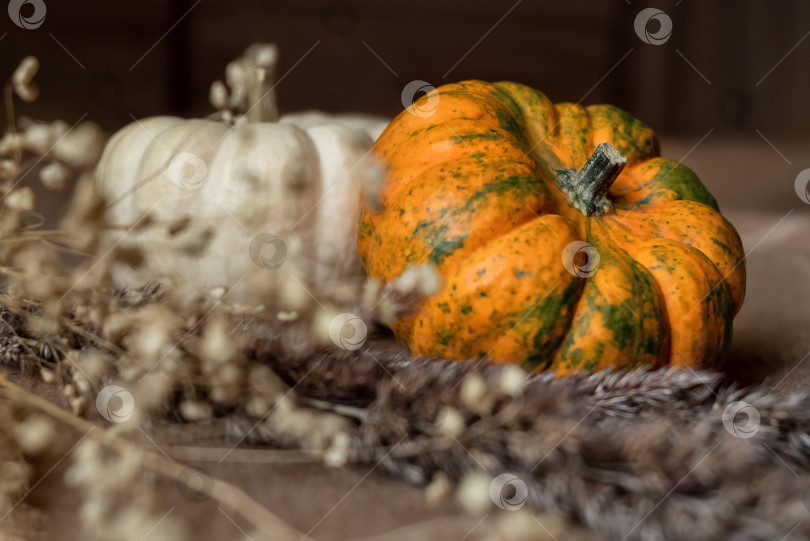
<point x="563" y="48"/>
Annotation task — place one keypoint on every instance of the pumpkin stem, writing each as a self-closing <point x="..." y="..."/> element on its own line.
<point x="587" y="188"/>
<point x="262" y="105"/>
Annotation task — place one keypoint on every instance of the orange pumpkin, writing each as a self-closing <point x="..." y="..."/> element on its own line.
<point x="507" y="193"/>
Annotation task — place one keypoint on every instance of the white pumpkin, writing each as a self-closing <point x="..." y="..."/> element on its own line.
<point x="280" y="198"/>
<point x="372" y="125"/>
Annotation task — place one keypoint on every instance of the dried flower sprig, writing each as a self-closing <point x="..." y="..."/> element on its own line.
<point x="130" y="458"/>
<point x="187" y="356"/>
<point x="237" y="95"/>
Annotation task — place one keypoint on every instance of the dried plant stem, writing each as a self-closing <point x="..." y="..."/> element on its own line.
<point x="39" y="233"/>
<point x="340" y="409"/>
<point x="8" y="95"/>
<point x="10" y="271"/>
<point x="245" y="456"/>
<point x="229" y="496"/>
<point x="91" y="337"/>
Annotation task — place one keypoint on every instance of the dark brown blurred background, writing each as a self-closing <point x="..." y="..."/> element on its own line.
<point x="112" y="60"/>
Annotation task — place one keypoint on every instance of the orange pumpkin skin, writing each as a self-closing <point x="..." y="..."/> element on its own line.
<point x="477" y="188"/>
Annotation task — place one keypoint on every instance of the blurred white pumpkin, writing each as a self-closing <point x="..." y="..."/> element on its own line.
<point x="246" y="200"/>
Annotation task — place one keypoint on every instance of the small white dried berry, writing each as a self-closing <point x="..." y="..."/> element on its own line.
<point x="21" y="199"/>
<point x="22" y="79"/>
<point x="473" y="493"/>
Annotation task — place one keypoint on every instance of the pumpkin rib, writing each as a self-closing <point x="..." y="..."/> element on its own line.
<point x="450" y="151"/>
<point x="630" y="136"/>
<point x="115" y="149"/>
<point x="542" y="127"/>
<point x="537" y="110"/>
<point x="671" y="181"/>
<point x="717" y="239"/>
<point x="693" y="314"/>
<point x="509" y="263"/>
<point x="440" y="216"/>
<point x="618" y="318"/>
<point x="156" y="146"/>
